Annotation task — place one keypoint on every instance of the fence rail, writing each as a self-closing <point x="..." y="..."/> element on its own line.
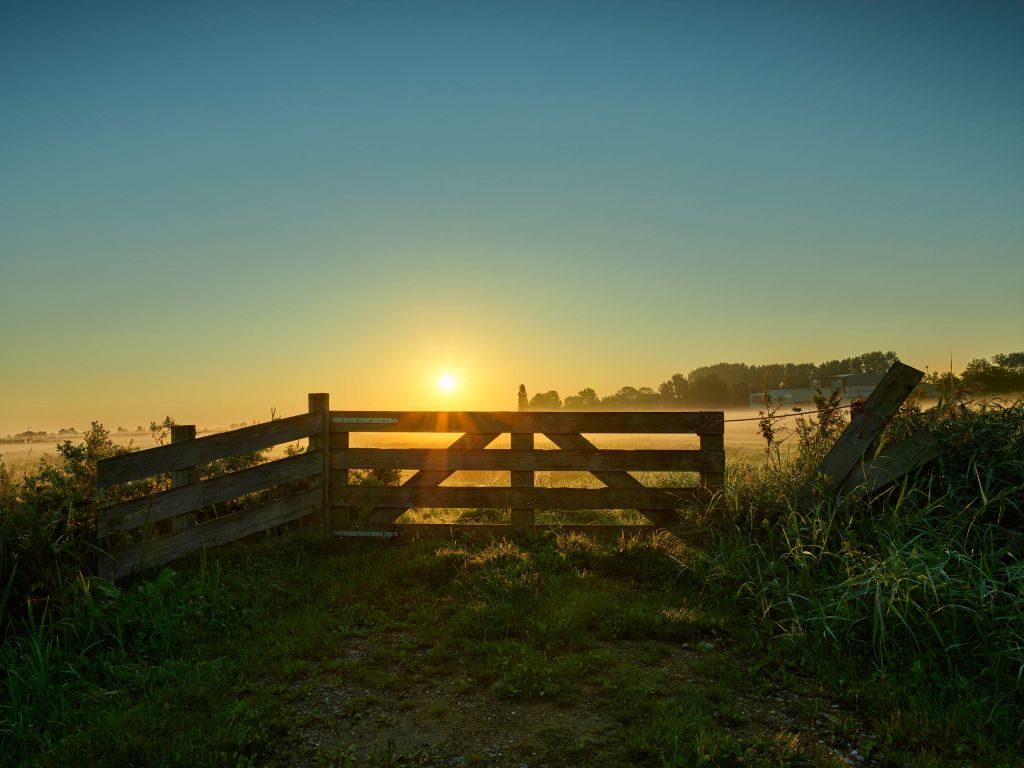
<point x="162" y="527"/>
<point x="526" y="460"/>
<point x="576" y="422"/>
<point x="167" y="458"/>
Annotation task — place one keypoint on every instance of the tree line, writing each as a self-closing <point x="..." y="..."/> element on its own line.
<point x="722" y="384"/>
<point x="731" y="384"/>
<point x="997" y="375"/>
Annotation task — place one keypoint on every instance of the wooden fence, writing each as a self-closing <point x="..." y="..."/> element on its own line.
<point x="136" y="534"/>
<point x="159" y="528"/>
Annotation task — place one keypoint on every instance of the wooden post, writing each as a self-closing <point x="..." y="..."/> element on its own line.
<point x="714" y="480"/>
<point x="183" y="477"/>
<point x="319" y="403"/>
<point x="522" y="519"/>
<point x="862" y="432"/>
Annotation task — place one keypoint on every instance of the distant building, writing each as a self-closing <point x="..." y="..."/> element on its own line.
<point x="853" y="386"/>
<point x="791" y="396"/>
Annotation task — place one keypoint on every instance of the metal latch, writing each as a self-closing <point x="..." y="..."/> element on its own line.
<point x="363" y="420"/>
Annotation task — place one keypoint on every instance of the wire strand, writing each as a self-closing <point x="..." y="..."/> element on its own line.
<point x="791" y="415"/>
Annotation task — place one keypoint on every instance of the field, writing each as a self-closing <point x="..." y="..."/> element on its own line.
<point x="885" y="633"/>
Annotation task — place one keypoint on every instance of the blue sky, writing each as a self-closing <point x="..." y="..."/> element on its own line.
<point x="208" y="212"/>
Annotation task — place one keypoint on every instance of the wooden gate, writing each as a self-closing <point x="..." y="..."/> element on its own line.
<point x="356" y="508"/>
<point x="315" y="485"/>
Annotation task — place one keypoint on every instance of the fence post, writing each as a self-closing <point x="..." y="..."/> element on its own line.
<point x="183" y="477"/>
<point x="319" y="402"/>
<point x="522" y="519"/>
<point x="714" y="479"/>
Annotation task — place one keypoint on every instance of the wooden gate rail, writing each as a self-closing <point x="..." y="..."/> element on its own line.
<point x="136" y="519"/>
<point x="573" y="453"/>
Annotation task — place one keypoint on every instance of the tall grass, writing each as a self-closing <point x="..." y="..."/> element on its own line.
<point x="925" y="581"/>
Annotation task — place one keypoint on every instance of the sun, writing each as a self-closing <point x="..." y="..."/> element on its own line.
<point x="447" y="382"/>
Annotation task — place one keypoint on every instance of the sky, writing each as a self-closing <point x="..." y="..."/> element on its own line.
<point x="208" y="210"/>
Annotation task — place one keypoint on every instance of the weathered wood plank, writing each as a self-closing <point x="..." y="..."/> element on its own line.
<point x="419" y="531"/>
<point x="522" y="442"/>
<point x="712" y="475"/>
<point x="572" y="442"/>
<point x="564" y="422"/>
<point x="427" y="478"/>
<point x="160" y="506"/>
<point x="339" y="476"/>
<point x="167" y="458"/>
<point x="863" y="430"/>
<point x="215" y="532"/>
<point x="319" y="405"/>
<point x="182" y="477"/>
<point x="892" y="464"/>
<point x="641" y="498"/>
<point x="516" y="460"/>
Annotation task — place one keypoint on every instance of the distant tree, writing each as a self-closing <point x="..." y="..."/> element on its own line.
<point x="546" y="401"/>
<point x="739" y="394"/>
<point x="523" y="402"/>
<point x="676" y="388"/>
<point x="995" y="375"/>
<point x="1013" y="361"/>
<point x="625" y="395"/>
<point x="586" y="398"/>
<point x="709" y="389"/>
<point x="867" y="362"/>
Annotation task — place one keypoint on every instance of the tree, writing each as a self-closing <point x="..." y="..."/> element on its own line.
<point x="546" y="401"/>
<point x="523" y="402"/>
<point x="625" y="396"/>
<point x="709" y="389"/>
<point x="676" y="388"/>
<point x="1012" y="360"/>
<point x="586" y="398"/>
<point x="994" y="375"/>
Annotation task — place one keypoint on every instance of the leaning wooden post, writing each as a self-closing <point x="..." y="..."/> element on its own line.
<point x="522" y="519"/>
<point x="861" y="434"/>
<point x="319" y="403"/>
<point x="184" y="476"/>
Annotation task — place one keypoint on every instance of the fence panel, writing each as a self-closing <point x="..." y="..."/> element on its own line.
<point x="575" y="453"/>
<point x="144" y="522"/>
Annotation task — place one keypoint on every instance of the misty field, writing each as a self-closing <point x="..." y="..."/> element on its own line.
<point x="741" y="438"/>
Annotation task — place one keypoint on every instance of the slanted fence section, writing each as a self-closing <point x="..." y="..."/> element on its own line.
<point x="356" y="508"/>
<point x="159" y="528"/>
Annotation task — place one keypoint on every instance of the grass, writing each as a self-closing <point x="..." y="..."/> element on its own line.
<point x="239" y="659"/>
<point x="923" y="586"/>
<point x="784" y="637"/>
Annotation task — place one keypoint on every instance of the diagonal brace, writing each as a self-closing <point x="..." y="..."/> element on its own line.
<point x="429" y="477"/>
<point x="613" y="478"/>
